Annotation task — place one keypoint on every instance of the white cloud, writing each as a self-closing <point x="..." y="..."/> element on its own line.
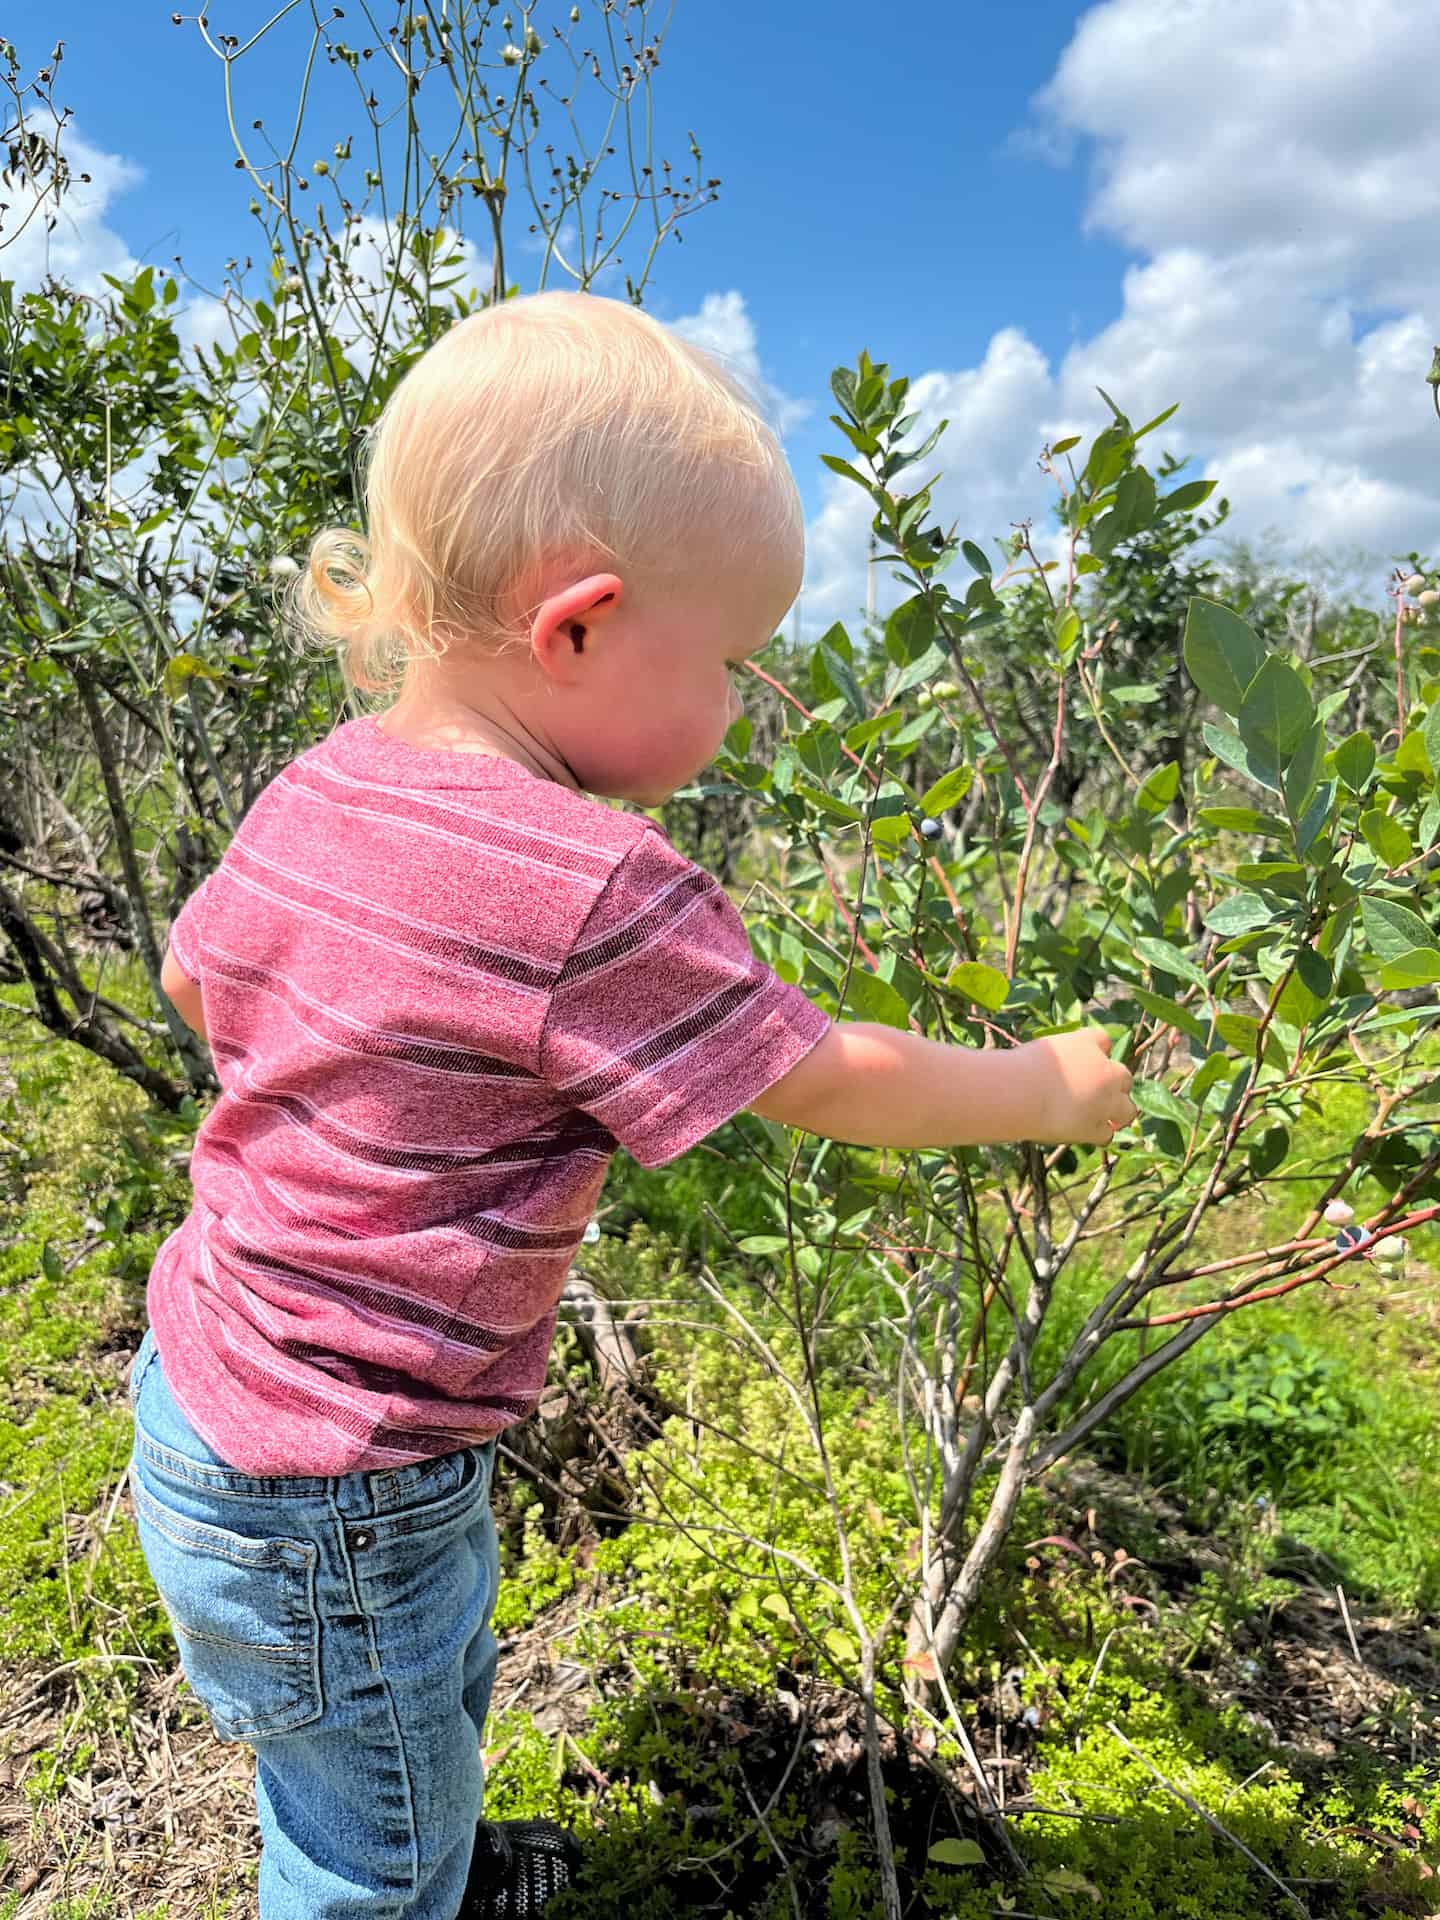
<point x="724" y="328"/>
<point x="1282" y="198"/>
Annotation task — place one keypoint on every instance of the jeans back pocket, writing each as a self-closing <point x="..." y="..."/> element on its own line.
<point x="243" y="1615"/>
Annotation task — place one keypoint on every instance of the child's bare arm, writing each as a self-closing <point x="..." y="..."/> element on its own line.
<point x="876" y="1086"/>
<point x="183" y="994"/>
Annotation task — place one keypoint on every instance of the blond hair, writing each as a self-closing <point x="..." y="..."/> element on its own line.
<point x="559" y="428"/>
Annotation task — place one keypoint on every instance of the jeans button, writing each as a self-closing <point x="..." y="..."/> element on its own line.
<point x="361" y="1538"/>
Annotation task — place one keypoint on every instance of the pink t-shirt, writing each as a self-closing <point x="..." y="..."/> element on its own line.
<point x="439" y="992"/>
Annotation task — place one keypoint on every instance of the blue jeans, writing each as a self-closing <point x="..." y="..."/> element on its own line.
<point x="341" y="1627"/>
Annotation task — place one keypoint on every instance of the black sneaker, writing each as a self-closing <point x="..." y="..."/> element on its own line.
<point x="518" y="1866"/>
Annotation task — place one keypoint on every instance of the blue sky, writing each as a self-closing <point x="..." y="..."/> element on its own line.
<point x="1229" y="203"/>
<point x="873" y="194"/>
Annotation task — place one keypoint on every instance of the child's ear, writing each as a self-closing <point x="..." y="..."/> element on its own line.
<point x="565" y="626"/>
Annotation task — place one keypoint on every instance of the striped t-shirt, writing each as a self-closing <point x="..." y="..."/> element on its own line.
<point x="439" y="992"/>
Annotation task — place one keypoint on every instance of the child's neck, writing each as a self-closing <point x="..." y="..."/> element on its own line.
<point x="436" y="720"/>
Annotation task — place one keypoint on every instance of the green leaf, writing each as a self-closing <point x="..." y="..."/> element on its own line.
<point x="1107" y="458"/>
<point x="1391" y="929"/>
<point x="1222" y="654"/>
<point x="1308" y="990"/>
<point x="1277" y="711"/>
<point x="737" y="740"/>
<point x="1354" y="761"/>
<point x="1160" y="788"/>
<point x="986" y="986"/>
<point x="1386" y="837"/>
<point x="869" y="997"/>
<point x="1161" y="1104"/>
<point x="949" y="789"/>
<point x="1266" y="1153"/>
<point x="1230" y="748"/>
<point x="977" y="558"/>
<point x="1315" y="817"/>
<point x="867" y="730"/>
<point x="1164" y="958"/>
<point x="827" y="803"/>
<point x="765" y="1243"/>
<point x="909" y="630"/>
<point x="1277" y="876"/>
<point x="1432" y="735"/>
<point x="836" y="465"/>
<point x="1304" y="770"/>
<point x="889" y="829"/>
<point x="1240" y="1031"/>
<point x="1244" y="820"/>
<point x="1135" y="500"/>
<point x="843" y="678"/>
<point x="1171" y="1012"/>
<point x="1215" y="1067"/>
<point x="956" y="1853"/>
<point x="1194" y="493"/>
<point x="1411" y="756"/>
<point x="1238" y="913"/>
<point x="1420" y="967"/>
<point x="934" y="660"/>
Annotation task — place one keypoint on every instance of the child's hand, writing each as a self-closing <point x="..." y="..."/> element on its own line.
<point x="1082" y="1096"/>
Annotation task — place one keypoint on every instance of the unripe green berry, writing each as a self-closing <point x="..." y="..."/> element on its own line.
<point x="1389" y="1251"/>
<point x="1429" y="597"/>
<point x="1413" y="584"/>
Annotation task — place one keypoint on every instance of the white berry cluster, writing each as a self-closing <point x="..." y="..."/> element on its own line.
<point x="1421" y="594"/>
<point x="1388" y="1254"/>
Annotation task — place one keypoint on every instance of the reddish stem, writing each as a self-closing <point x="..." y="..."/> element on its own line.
<point x="1287" y="1286"/>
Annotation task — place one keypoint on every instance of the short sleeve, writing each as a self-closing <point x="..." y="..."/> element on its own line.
<point x="185" y="931"/>
<point x="663" y="1024"/>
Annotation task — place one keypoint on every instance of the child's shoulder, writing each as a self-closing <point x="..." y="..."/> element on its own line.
<point x="358" y="755"/>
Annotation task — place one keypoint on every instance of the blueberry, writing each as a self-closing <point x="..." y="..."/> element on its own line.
<point x="1348" y="1238"/>
<point x="930" y="829"/>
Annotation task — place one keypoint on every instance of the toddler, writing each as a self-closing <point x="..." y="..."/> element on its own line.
<point x="441" y="985"/>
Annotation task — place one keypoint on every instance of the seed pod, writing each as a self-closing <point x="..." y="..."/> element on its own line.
<point x="321" y="167"/>
<point x="1413" y="584"/>
<point x="1339" y="1213"/>
<point x="511" y="54"/>
<point x="533" y="42"/>
<point x="1390" y="1250"/>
